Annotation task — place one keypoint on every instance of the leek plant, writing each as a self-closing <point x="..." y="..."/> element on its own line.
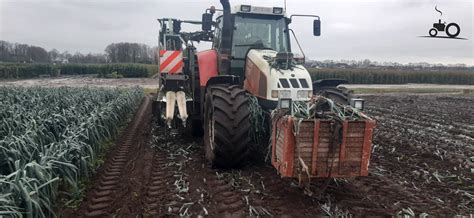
<point x="50" y="136"/>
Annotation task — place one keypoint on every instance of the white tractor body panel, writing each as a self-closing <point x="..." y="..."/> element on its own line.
<point x="262" y="79"/>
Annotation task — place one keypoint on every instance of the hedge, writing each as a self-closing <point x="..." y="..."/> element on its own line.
<point x="21" y="71"/>
<point x="355" y="76"/>
<point x="385" y="76"/>
<point x="9" y="71"/>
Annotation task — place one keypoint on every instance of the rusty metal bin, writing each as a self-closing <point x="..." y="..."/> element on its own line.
<point x="311" y="152"/>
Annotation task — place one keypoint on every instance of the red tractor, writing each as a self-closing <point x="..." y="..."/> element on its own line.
<point x="250" y="65"/>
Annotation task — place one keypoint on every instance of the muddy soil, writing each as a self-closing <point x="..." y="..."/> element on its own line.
<point x="421" y="164"/>
<point x="422" y="158"/>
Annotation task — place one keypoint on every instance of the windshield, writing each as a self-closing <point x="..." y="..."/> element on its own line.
<point x="258" y="33"/>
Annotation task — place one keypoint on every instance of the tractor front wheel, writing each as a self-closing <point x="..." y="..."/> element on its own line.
<point x="226" y="126"/>
<point x="433" y="32"/>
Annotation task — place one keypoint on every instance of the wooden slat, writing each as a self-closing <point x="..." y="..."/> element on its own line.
<point x="354" y="145"/>
<point x="305" y="145"/>
<point x="356" y="124"/>
<point x="323" y="145"/>
<point x="324" y="150"/>
<point x="306" y="133"/>
<point x="316" y="129"/>
<point x="322" y="140"/>
<point x="306" y="150"/>
<point x="327" y="153"/>
<point x="367" y="148"/>
<point x="361" y="130"/>
<point x="357" y="159"/>
<point x="355" y="134"/>
<point x="352" y="163"/>
<point x="279" y="151"/>
<point x="353" y="151"/>
<point x="327" y="158"/>
<point x="325" y="135"/>
<point x="359" y="140"/>
<point x="342" y="150"/>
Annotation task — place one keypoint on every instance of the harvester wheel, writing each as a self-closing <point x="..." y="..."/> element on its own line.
<point x="226" y="127"/>
<point x="156" y="108"/>
<point x="340" y="95"/>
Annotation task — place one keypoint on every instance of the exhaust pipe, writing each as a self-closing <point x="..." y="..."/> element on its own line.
<point x="226" y="45"/>
<point x="225" y="5"/>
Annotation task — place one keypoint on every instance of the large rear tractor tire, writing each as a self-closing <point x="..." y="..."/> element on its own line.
<point x="455" y="34"/>
<point x="226" y="126"/>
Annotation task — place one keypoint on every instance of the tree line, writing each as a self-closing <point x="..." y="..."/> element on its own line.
<point x="122" y="52"/>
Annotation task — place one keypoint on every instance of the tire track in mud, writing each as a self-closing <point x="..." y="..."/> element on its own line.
<point x="170" y="190"/>
<point x="229" y="202"/>
<point x="192" y="187"/>
<point x="278" y="196"/>
<point x="103" y="195"/>
<point x="157" y="191"/>
<point x="264" y="193"/>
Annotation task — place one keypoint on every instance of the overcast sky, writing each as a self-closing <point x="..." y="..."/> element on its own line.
<point x="381" y="30"/>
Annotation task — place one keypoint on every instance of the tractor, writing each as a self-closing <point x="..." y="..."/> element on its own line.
<point x="442" y="27"/>
<point x="210" y="92"/>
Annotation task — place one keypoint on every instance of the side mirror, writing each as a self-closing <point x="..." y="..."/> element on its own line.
<point x="317" y="27"/>
<point x="206" y="22"/>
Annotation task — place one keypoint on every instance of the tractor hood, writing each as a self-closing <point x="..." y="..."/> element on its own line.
<point x="266" y="80"/>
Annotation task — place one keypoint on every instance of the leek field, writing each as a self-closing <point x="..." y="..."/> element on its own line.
<point x="50" y="139"/>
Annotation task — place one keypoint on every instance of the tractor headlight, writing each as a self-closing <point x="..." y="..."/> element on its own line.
<point x="281" y="94"/>
<point x="304" y="94"/>
<point x="285" y="94"/>
<point x="357" y="103"/>
<point x="245" y="8"/>
<point x="274" y="93"/>
<point x="278" y="10"/>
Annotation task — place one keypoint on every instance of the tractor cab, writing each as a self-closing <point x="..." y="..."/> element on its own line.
<point x="254" y="27"/>
<point x="253" y="44"/>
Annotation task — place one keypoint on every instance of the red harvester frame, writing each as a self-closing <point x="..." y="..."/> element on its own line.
<point x="315" y="155"/>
